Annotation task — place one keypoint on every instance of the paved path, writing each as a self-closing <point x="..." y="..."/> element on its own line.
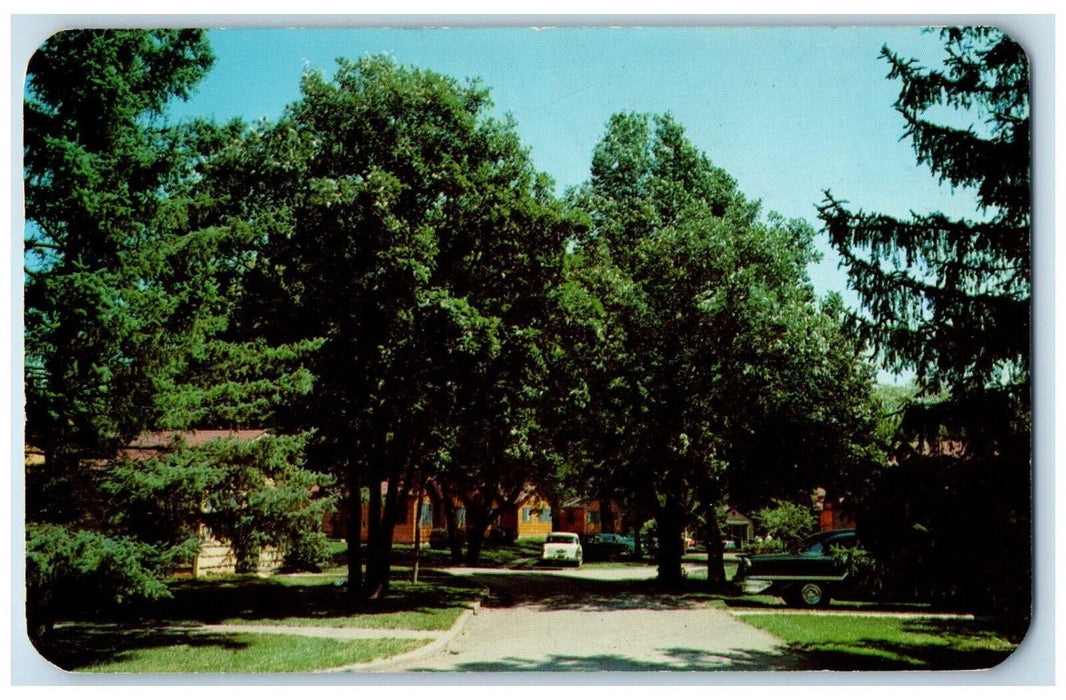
<point x="596" y="620"/>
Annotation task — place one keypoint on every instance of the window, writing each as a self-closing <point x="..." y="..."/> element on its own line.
<point x="592" y="517"/>
<point x="527" y="515"/>
<point x="546" y="515"/>
<point x="460" y="516"/>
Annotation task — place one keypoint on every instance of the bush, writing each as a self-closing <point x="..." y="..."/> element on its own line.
<point x="649" y="538"/>
<point x="500" y="536"/>
<point x="439" y="538"/>
<point x="74" y="571"/>
<point x="786" y="522"/>
<point x="309" y="551"/>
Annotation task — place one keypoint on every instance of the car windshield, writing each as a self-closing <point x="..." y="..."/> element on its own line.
<point x="561" y="539"/>
<point x="822" y="545"/>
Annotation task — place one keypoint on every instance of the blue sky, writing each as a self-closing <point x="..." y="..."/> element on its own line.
<point x="788" y="111"/>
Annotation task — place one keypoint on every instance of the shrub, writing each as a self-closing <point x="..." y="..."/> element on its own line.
<point x="309" y="551"/>
<point x="786" y="522"/>
<point x="439" y="538"/>
<point x="72" y="571"/>
<point x="500" y="536"/>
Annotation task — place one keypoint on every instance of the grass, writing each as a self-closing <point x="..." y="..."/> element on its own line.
<point x="869" y="643"/>
<point x="491" y="555"/>
<point x="169" y="652"/>
<point x="435" y="619"/>
<point x="139" y="639"/>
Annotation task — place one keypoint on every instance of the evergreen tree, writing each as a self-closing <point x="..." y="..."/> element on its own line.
<point x="949" y="299"/>
<point x="96" y="163"/>
<point x="129" y="279"/>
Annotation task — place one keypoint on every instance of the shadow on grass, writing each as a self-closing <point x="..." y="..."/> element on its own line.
<point x="878" y="655"/>
<point x="768" y="602"/>
<point x="929" y="645"/>
<point x="83" y="646"/>
<point x="250" y="598"/>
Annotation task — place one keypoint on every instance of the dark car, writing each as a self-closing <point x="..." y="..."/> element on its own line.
<point x="607" y="547"/>
<point x="807" y="577"/>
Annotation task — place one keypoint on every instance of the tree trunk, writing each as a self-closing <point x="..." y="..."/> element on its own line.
<point x="444" y="497"/>
<point x="454" y="541"/>
<point x="373" y="538"/>
<point x="380" y="554"/>
<point x="715" y="554"/>
<point x="355" y="526"/>
<point x="476" y="525"/>
<point x="670" y="523"/>
<point x="606" y="514"/>
<point x="418" y="527"/>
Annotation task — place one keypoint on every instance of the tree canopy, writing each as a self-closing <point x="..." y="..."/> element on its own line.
<point x="949" y="299"/>
<point x="407" y="231"/>
<point x="383" y="279"/>
<point x="715" y="341"/>
<point x="127" y="307"/>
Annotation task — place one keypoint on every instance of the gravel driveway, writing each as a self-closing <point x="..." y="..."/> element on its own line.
<point x="597" y="619"/>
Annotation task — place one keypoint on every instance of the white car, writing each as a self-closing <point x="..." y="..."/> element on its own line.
<point x="562" y="547"/>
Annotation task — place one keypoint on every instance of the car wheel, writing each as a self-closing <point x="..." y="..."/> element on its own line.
<point x="813" y="595"/>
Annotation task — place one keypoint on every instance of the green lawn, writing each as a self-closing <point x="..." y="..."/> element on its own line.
<point x="503" y="555"/>
<point x="422" y="619"/>
<point x="874" y="643"/>
<point x="162" y="636"/>
<point x="229" y="653"/>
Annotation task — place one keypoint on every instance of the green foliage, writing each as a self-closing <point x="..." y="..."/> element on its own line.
<point x="250" y="493"/>
<point x="950" y="299"/>
<point x="103" y="321"/>
<point x="306" y="550"/>
<point x="696" y="336"/>
<point x="788" y="522"/>
<point x="405" y="232"/>
<point x="97" y="164"/>
<point x="70" y="569"/>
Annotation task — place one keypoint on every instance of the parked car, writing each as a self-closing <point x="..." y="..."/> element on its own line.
<point x="807" y="577"/>
<point x="562" y="547"/>
<point x="608" y="546"/>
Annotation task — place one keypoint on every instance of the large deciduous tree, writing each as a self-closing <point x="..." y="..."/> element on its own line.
<point x="714" y="366"/>
<point x="949" y="299"/>
<point x="407" y="231"/>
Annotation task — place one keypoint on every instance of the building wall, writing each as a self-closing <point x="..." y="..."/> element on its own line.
<point x="572" y="519"/>
<point x="531" y="518"/>
<point x="216" y="559"/>
<point x="335" y="525"/>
